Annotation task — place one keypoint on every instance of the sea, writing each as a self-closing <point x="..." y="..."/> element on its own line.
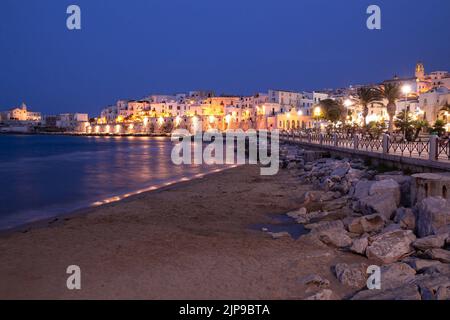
<point x="46" y="176"/>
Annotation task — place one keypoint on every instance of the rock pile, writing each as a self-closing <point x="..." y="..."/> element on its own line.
<point x="367" y="213"/>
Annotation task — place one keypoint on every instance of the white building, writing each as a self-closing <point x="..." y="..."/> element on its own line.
<point x="201" y="94"/>
<point x="310" y="100"/>
<point x="422" y="82"/>
<point x="269" y="109"/>
<point x="111" y="113"/>
<point x="170" y="108"/>
<point x="431" y="103"/>
<point x="73" y="121"/>
<point x="160" y="98"/>
<point x="287" y="99"/>
<point x="21" y="114"/>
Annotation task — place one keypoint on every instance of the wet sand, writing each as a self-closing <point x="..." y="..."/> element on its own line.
<point x="193" y="240"/>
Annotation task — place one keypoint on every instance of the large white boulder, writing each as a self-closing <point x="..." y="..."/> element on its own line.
<point x="370" y="223"/>
<point x="353" y="275"/>
<point x="391" y="246"/>
<point x="332" y="233"/>
<point x="383" y="204"/>
<point x="433" y="216"/>
<point x="388" y="188"/>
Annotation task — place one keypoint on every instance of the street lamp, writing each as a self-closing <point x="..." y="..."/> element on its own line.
<point x="317" y="114"/>
<point x="406" y="89"/>
<point x="347" y="104"/>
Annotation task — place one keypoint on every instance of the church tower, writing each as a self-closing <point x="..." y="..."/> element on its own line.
<point x="420" y="71"/>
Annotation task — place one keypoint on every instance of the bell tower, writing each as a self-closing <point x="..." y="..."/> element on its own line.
<point x="420" y="71"/>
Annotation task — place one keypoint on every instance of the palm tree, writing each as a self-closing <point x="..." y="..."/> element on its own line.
<point x="391" y="92"/>
<point x="419" y="126"/>
<point x="438" y="127"/>
<point x="405" y="123"/>
<point x="366" y="96"/>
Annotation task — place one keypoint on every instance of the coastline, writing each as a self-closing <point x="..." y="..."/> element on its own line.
<point x="75" y="134"/>
<point x="129" y="196"/>
<point x="186" y="241"/>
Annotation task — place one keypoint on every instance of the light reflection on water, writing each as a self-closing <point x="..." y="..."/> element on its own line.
<point x="44" y="176"/>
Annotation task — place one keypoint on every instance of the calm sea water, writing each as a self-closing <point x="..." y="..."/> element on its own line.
<point x="45" y="176"/>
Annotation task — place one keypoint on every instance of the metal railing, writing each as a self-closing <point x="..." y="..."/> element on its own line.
<point x="443" y="150"/>
<point x="434" y="148"/>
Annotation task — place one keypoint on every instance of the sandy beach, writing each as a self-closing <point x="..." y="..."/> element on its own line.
<point x="193" y="240"/>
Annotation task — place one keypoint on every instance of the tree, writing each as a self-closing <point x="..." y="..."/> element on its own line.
<point x="391" y="92"/>
<point x="376" y="128"/>
<point x="419" y="125"/>
<point x="405" y="124"/>
<point x="438" y="127"/>
<point x="333" y="110"/>
<point x="366" y="96"/>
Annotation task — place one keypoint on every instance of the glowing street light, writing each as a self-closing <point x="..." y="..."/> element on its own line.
<point x="300" y="113"/>
<point x="348" y="103"/>
<point x="317" y="111"/>
<point x="406" y="89"/>
<point x="212" y="119"/>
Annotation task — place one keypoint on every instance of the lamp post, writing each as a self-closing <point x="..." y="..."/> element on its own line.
<point x="347" y="104"/>
<point x="406" y="89"/>
<point x="317" y="113"/>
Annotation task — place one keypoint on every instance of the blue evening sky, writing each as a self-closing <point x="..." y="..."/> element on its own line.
<point x="131" y="48"/>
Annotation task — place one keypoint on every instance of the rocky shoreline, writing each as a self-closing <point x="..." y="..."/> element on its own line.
<point x="357" y="209"/>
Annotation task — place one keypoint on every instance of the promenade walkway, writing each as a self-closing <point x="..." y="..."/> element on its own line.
<point x="433" y="152"/>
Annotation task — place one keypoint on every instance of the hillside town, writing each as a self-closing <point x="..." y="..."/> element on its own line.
<point x="415" y="104"/>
